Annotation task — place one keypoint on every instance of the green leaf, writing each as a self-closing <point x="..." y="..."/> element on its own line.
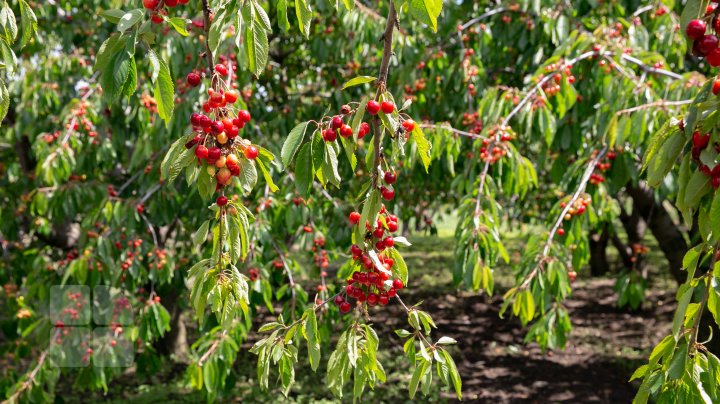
<point x="369" y="212"/>
<point x="446" y="341"/>
<point x="304" y="172"/>
<point x="692" y="10"/>
<point x="255" y="39"/>
<point x="358" y="80"/>
<point x="423" y="146"/>
<point x="304" y="16"/>
<point x="201" y="234"/>
<point x="164" y="88"/>
<point x="29" y="23"/>
<point x="179" y="24"/>
<point x="113" y="15"/>
<point x="426" y="11"/>
<point x="282" y="17"/>
<point x="4" y="101"/>
<point x="415" y="379"/>
<point x="266" y="175"/>
<point x="292" y="143"/>
<point x="697" y="187"/>
<point x="7" y="20"/>
<point x="311" y="335"/>
<point x="129" y="19"/>
<point x="684" y="293"/>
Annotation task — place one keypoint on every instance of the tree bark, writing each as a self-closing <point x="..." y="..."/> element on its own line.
<point x="599" y="264"/>
<point x="668" y="235"/>
<point x="174" y="342"/>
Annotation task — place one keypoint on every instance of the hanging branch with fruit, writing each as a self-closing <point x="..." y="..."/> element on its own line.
<point x="376" y="271"/>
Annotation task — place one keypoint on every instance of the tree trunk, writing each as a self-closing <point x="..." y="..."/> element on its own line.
<point x="669" y="237"/>
<point x="174" y="342"/>
<point x="599" y="264"/>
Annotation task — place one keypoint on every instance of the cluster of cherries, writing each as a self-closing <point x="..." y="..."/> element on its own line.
<point x="369" y="284"/>
<point x="705" y="45"/>
<point x="602" y="166"/>
<point x="493" y="147"/>
<point x="473" y="122"/>
<point x="216" y="141"/>
<point x="578" y="208"/>
<point x="699" y="143"/>
<point x="158" y="8"/>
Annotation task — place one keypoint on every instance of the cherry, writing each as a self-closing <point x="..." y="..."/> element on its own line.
<point x="221" y="69"/>
<point x="345" y="109"/>
<point x="354" y="218"/>
<point x="387" y="193"/>
<point x="356" y="250"/>
<point x="409" y="125"/>
<point x="373" y="107"/>
<point x="392" y="292"/>
<point x="214" y="153"/>
<point x="244" y="115"/>
<point x="387" y="107"/>
<point x="205" y="121"/>
<point x="397" y="284"/>
<point x="383" y="300"/>
<point x="344" y="307"/>
<point x="700" y="141"/>
<point x="372" y="299"/>
<point x="223" y="176"/>
<point x="346" y="131"/>
<point x="217" y="127"/>
<point x="389" y="242"/>
<point x="707" y="44"/>
<point x="221" y="200"/>
<point x="222" y="138"/>
<point x="378" y="232"/>
<point x="715" y="182"/>
<point x="193" y="79"/>
<point x="390" y="177"/>
<point x="195" y="119"/>
<point x="231" y="96"/>
<point x="251" y="152"/>
<point x="171" y="3"/>
<point x="150" y="4"/>
<point x="339" y="300"/>
<point x="696" y="29"/>
<point x="156" y="18"/>
<point x="337" y="122"/>
<point x="392" y="226"/>
<point x="329" y="135"/>
<point x="350" y="290"/>
<point x="232" y="132"/>
<point x="713" y="58"/>
<point x="364" y="130"/>
<point x="572" y="275"/>
<point x="612" y="155"/>
<point x="201" y="152"/>
<point x="380" y="245"/>
<point x="561" y="232"/>
<point x="716" y="86"/>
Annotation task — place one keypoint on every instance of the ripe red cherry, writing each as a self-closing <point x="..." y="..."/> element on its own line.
<point x="244" y="115"/>
<point x="383" y="300"/>
<point x="387" y="107"/>
<point x="387" y="193"/>
<point x="337" y="122"/>
<point x="329" y="135"/>
<point x="364" y="130"/>
<point x="214" y="153"/>
<point x="356" y="250"/>
<point x="231" y="96"/>
<point x="707" y="44"/>
<point x="217" y="127"/>
<point x="195" y="119"/>
<point x="372" y="299"/>
<point x="221" y="200"/>
<point x="612" y="155"/>
<point x="409" y="125"/>
<point x="390" y="177"/>
<point x="339" y="300"/>
<point x="201" y="152"/>
<point x="193" y="79"/>
<point x="171" y="3"/>
<point x="715" y="182"/>
<point x="378" y="232"/>
<point x="251" y="152"/>
<point x="150" y="4"/>
<point x="232" y="132"/>
<point x="156" y="18"/>
<point x="344" y="307"/>
<point x="205" y="121"/>
<point x="713" y="58"/>
<point x="397" y="284"/>
<point x="221" y="69"/>
<point x="389" y="242"/>
<point x="561" y="232"/>
<point x="716" y="86"/>
<point x="380" y="245"/>
<point x="373" y="107"/>
<point x="700" y="141"/>
<point x="354" y="217"/>
<point x="695" y="29"/>
<point x="392" y="226"/>
<point x="392" y="292"/>
<point x="346" y="131"/>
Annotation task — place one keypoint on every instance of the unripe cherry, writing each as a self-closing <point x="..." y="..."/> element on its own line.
<point x="373" y="107"/>
<point x="251" y="152"/>
<point x="222" y="138"/>
<point x="211" y="170"/>
<point x="232" y="159"/>
<point x="221" y="200"/>
<point x="223" y="176"/>
<point x="220" y="162"/>
<point x="387" y="107"/>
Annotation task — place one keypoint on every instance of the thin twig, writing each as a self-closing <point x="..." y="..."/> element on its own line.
<point x="660" y="103"/>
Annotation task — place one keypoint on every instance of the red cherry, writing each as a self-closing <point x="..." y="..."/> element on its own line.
<point x="700" y="141"/>
<point x="337" y="122"/>
<point x="380" y="245"/>
<point x="214" y="153"/>
<point x="356" y="250"/>
<point x="392" y="292"/>
<point x="329" y="135"/>
<point x="201" y="152"/>
<point x="171" y="3"/>
<point x="390" y="177"/>
<point x="205" y="121"/>
<point x="307" y="229"/>
<point x="707" y="44"/>
<point x="344" y="307"/>
<point x="696" y="29"/>
<point x="193" y="79"/>
<point x="561" y="232"/>
<point x="383" y="300"/>
<point x="364" y="130"/>
<point x="251" y="152"/>
<point x="231" y="96"/>
<point x="378" y="232"/>
<point x="372" y="299"/>
<point x="232" y="132"/>
<point x="156" y="18"/>
<point x="389" y="242"/>
<point x="221" y="69"/>
<point x="244" y="115"/>
<point x="409" y="125"/>
<point x="397" y="284"/>
<point x="217" y="127"/>
<point x="150" y="4"/>
<point x="221" y="200"/>
<point x="387" y="193"/>
<point x="339" y="300"/>
<point x="713" y="58"/>
<point x="195" y="119"/>
<point x="387" y="107"/>
<point x="346" y="131"/>
<point x="392" y="226"/>
<point x="354" y="218"/>
<point x="715" y="182"/>
<point x="373" y="107"/>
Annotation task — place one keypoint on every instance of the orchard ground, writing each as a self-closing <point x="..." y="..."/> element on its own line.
<point x="605" y="347"/>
